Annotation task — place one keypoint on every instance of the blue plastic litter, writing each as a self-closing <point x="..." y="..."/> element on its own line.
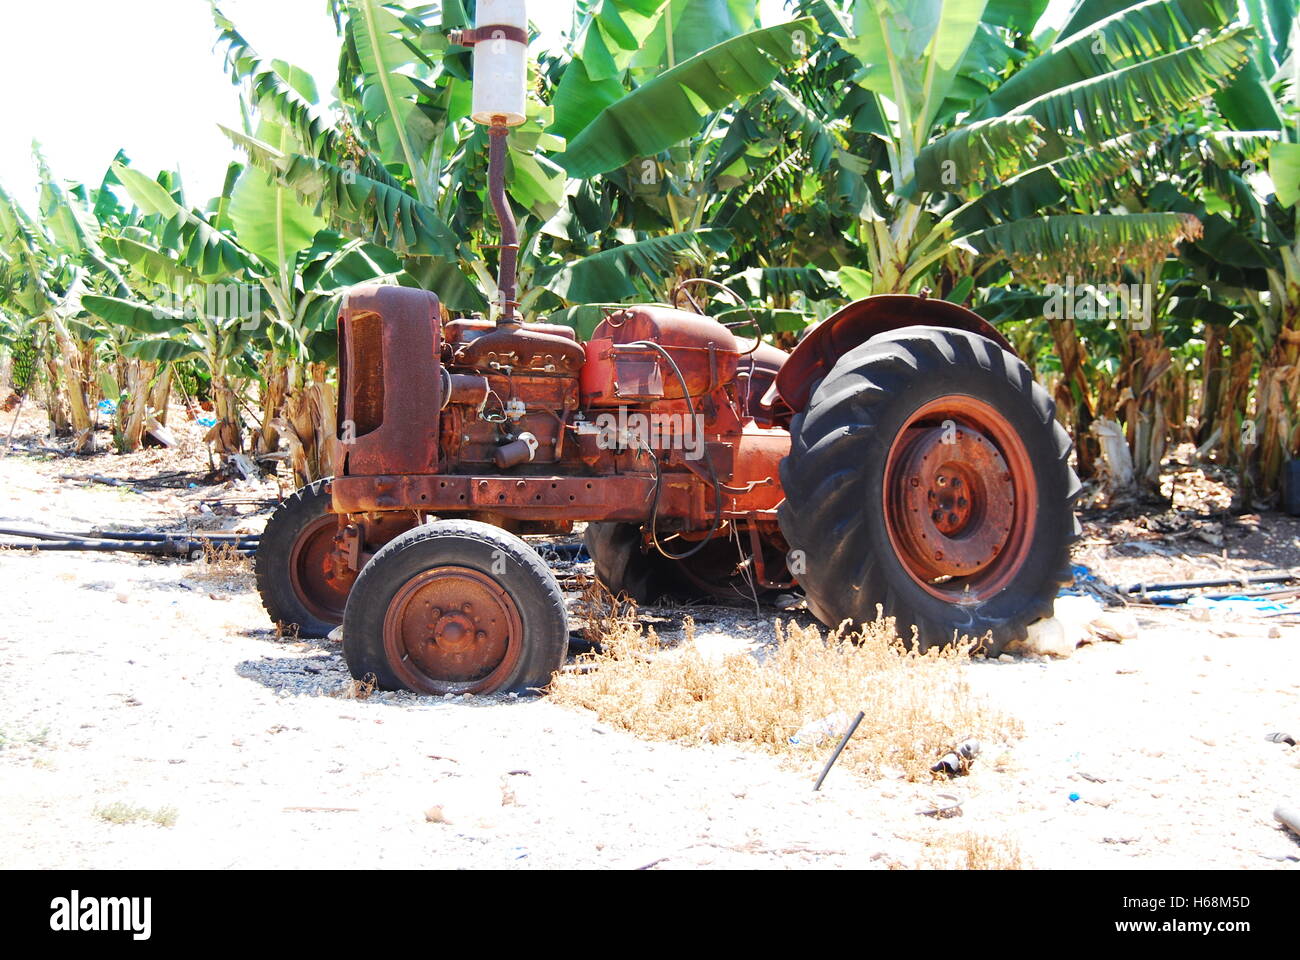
<point x="1074" y="797"/>
<point x="107" y="407"/>
<point x="1082" y="575"/>
<point x="1243" y="605"/>
<point x="207" y="421"/>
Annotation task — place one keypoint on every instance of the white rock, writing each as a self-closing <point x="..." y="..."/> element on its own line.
<point x="1117" y="625"/>
<point x="1075" y="614"/>
<point x="1048" y="638"/>
<point x="335" y="635"/>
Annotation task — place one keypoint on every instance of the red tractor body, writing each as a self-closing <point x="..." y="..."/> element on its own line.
<point x="432" y="415"/>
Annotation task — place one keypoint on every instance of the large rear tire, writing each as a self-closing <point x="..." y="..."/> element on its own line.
<point x="456" y="606"/>
<point x="928" y="475"/>
<point x="294" y="564"/>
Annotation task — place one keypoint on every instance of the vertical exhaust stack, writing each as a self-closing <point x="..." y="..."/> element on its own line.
<point x="500" y="41"/>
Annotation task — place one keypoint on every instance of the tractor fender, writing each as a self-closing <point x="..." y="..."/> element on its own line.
<point x="857" y="323"/>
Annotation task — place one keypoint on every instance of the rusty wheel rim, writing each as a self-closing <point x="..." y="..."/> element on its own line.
<point x="319" y="587"/>
<point x="960" y="499"/>
<point x="452" y="630"/>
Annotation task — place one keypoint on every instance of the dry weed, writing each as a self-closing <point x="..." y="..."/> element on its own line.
<point x="224" y="566"/>
<point x="970" y="851"/>
<point x="125" y="813"/>
<point x="917" y="706"/>
<point x="357" y="689"/>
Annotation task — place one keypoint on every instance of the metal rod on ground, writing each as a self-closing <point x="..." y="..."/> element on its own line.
<point x="1280" y="577"/>
<point x="1277" y="594"/>
<point x="844" y="740"/>
<point x="13" y="426"/>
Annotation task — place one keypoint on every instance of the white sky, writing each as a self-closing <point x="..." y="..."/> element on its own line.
<point x="85" y="77"/>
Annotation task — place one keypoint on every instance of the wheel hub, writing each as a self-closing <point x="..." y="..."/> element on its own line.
<point x="452" y="630"/>
<point x="321" y="587"/>
<point x="953" y="500"/>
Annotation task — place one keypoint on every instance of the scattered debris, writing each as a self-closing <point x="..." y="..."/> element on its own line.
<point x="1286" y="738"/>
<point x="941" y="811"/>
<point x="1289" y="817"/>
<point x="959" y="760"/>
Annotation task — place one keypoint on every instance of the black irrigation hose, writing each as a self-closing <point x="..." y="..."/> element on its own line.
<point x="189" y="546"/>
<point x="169" y="548"/>
<point x="38" y="533"/>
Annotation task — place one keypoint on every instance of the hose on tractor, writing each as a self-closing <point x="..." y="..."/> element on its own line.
<point x="708" y="462"/>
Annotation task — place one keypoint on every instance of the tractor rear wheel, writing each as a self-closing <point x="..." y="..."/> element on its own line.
<point x="456" y="606"/>
<point x="295" y="564"/>
<point x="928" y="475"/>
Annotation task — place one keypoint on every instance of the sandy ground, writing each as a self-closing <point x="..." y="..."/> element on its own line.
<point x="159" y="684"/>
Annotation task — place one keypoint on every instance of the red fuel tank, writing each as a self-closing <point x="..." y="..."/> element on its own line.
<point x="617" y="371"/>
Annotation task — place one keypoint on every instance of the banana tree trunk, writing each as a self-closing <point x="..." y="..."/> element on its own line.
<point x="275" y="376"/>
<point x="70" y="366"/>
<point x="1213" y="368"/>
<point x="160" y="394"/>
<point x="1075" y="389"/>
<point x="309" y="425"/>
<point x="1147" y="364"/>
<point x="1276" y="400"/>
<point x="56" y="408"/>
<point x="226" y="435"/>
<point x="133" y="412"/>
<point x="1230" y="449"/>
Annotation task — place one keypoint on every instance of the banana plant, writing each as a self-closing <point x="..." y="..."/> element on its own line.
<point x="418" y="190"/>
<point x="53" y="262"/>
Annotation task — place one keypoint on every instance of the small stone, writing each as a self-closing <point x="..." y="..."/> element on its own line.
<point x="1006" y="658"/>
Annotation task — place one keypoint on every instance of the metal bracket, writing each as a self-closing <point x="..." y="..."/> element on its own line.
<point x="495" y="31"/>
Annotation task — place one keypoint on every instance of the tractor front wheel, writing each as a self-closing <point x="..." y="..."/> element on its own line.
<point x="456" y="606"/>
<point x="295" y="568"/>
<point x="928" y="475"/>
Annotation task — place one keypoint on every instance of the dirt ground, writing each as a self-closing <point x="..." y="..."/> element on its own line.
<point x="157" y="687"/>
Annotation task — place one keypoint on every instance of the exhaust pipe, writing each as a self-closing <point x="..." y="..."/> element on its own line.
<point x="500" y="41"/>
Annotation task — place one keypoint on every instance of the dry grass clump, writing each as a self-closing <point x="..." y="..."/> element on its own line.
<point x="224" y="566"/>
<point x="357" y="689"/>
<point x="126" y="813"/>
<point x="971" y="851"/>
<point x="917" y="706"/>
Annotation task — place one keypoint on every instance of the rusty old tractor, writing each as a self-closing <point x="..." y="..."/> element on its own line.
<point x="901" y="457"/>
